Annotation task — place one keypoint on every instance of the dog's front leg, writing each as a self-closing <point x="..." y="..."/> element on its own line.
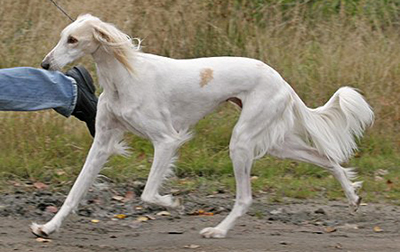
<point x="102" y="147"/>
<point x="163" y="156"/>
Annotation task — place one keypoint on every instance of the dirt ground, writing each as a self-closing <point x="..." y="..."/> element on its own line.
<point x="289" y="226"/>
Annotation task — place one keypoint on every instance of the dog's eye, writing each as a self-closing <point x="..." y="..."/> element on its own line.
<point x="72" y="40"/>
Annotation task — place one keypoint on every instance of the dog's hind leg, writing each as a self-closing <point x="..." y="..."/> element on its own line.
<point x="295" y="148"/>
<point x="259" y="127"/>
<point x="242" y="159"/>
<point x="242" y="154"/>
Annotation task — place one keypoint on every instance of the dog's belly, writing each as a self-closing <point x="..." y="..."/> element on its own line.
<point x="188" y="115"/>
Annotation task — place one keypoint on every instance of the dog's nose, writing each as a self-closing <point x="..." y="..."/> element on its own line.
<point x="45" y="65"/>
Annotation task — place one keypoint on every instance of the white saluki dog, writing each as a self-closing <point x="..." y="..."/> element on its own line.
<point x="160" y="98"/>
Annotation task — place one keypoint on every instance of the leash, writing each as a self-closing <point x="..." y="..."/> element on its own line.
<point x="62" y="10"/>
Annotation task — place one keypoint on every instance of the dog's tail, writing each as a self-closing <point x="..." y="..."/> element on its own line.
<point x="333" y="128"/>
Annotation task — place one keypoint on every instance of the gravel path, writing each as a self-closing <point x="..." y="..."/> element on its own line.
<point x="114" y="219"/>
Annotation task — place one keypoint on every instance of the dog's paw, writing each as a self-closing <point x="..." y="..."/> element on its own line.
<point x="38" y="230"/>
<point x="178" y="204"/>
<point x="212" y="232"/>
<point x="355" y="206"/>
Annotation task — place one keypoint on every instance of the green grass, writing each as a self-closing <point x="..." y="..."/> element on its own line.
<point x="204" y="162"/>
<point x="317" y="46"/>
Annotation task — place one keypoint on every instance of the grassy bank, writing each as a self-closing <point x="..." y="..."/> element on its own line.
<point x="317" y="46"/>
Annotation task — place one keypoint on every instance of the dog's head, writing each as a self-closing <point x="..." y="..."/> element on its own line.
<point x="87" y="35"/>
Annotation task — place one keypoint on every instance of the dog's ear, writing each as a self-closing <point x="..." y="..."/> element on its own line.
<point x="101" y="35"/>
<point x="114" y="41"/>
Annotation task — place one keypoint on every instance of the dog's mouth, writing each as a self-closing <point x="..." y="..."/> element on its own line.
<point x="50" y="66"/>
<point x="49" y="63"/>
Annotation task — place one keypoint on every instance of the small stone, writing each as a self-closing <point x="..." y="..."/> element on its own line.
<point x="192" y="246"/>
<point x="377" y="229"/>
<point x="176" y="232"/>
<point x="163" y="213"/>
<point x="40" y="239"/>
<point x="276" y="211"/>
<point x="330" y="229"/>
<point x="320" y="211"/>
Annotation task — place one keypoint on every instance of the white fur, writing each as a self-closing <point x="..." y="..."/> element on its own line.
<point x="160" y="98"/>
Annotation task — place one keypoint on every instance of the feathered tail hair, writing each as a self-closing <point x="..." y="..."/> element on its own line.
<point x="333" y="128"/>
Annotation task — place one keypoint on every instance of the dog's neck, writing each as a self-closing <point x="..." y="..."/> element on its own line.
<point x="109" y="70"/>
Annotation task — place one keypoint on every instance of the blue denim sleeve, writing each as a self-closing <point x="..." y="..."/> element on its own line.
<point x="30" y="89"/>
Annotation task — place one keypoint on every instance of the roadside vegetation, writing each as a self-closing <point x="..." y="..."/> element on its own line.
<point x="317" y="46"/>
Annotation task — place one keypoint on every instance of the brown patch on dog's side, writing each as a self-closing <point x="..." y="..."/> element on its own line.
<point x="206" y="76"/>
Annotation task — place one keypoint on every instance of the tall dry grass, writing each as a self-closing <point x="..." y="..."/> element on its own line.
<point x="315" y="50"/>
<point x="317" y="46"/>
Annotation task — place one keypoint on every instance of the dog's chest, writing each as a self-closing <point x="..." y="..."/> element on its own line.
<point x="128" y="113"/>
